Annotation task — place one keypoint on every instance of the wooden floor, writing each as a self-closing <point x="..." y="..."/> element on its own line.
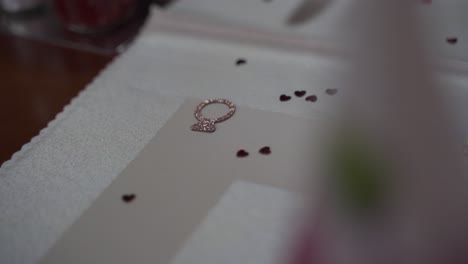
<point x="36" y="81"/>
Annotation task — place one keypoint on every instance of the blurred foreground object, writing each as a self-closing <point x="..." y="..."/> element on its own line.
<point x="16" y="6"/>
<point x="306" y="11"/>
<point x="88" y="16"/>
<point x="396" y="187"/>
<point x="44" y="25"/>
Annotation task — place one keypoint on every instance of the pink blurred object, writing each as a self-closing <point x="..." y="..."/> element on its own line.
<point x="307" y="251"/>
<point x="88" y="16"/>
<point x="397" y="120"/>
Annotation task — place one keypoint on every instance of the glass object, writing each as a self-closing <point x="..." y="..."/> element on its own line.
<point x="16" y="6"/>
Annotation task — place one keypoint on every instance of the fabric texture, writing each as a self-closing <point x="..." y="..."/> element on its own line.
<point x="47" y="184"/>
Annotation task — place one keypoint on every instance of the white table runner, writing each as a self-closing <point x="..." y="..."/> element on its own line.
<point x="49" y="183"/>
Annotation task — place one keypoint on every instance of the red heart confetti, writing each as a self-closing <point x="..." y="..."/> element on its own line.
<point x="128" y="197"/>
<point x="241" y="61"/>
<point x="284" y="98"/>
<point x="242" y="153"/>
<point x="452" y="40"/>
<point x="265" y="150"/>
<point x="331" y="91"/>
<point x="311" y="98"/>
<point x="299" y="93"/>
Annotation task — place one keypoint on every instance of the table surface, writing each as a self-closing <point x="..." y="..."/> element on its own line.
<point x="37" y="81"/>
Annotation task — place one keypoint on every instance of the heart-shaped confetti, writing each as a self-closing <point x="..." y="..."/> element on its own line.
<point x="299" y="93"/>
<point x="128" y="197"/>
<point x="284" y="98"/>
<point x="331" y="91"/>
<point x="241" y="61"/>
<point x="452" y="40"/>
<point x="311" y="98"/>
<point x="242" y="153"/>
<point x="265" y="150"/>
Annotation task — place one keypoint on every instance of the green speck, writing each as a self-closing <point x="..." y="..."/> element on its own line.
<point x="358" y="174"/>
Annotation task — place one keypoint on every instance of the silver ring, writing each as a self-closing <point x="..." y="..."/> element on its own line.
<point x="205" y="124"/>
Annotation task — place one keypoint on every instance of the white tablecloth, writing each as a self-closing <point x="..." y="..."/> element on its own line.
<point x="56" y="176"/>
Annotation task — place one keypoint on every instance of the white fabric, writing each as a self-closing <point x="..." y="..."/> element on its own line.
<point x="49" y="183"/>
<point x="247" y="214"/>
<point x="442" y="18"/>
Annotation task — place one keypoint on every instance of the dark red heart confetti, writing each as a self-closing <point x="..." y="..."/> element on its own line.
<point x="265" y="150"/>
<point x="241" y="61"/>
<point x="452" y="40"/>
<point x="128" y="197"/>
<point x="284" y="98"/>
<point x="242" y="153"/>
<point x="299" y="93"/>
<point x="311" y="98"/>
<point x="331" y="91"/>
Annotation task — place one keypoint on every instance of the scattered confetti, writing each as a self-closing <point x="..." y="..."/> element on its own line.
<point x="284" y="98"/>
<point x="242" y="153"/>
<point x="330" y="91"/>
<point x="311" y="98"/>
<point x="452" y="40"/>
<point x="265" y="150"/>
<point x="241" y="61"/>
<point x="128" y="197"/>
<point x="299" y="93"/>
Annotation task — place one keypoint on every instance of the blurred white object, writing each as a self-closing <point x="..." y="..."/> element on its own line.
<point x="248" y="214"/>
<point x="396" y="112"/>
<point x="334" y="23"/>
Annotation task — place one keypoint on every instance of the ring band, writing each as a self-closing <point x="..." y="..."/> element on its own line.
<point x="205" y="124"/>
